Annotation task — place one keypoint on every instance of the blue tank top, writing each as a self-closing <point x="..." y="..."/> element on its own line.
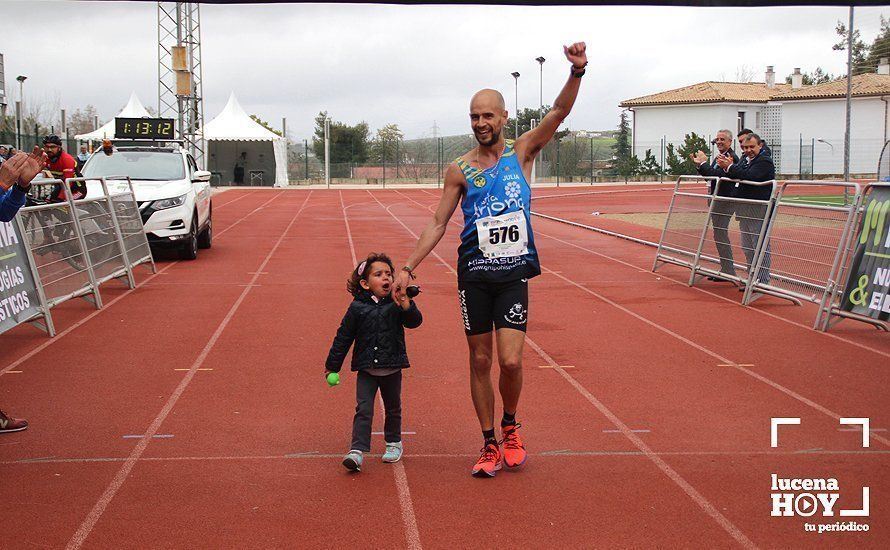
<point x="497" y="192"/>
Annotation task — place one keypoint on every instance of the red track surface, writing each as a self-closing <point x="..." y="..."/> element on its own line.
<point x="657" y="436"/>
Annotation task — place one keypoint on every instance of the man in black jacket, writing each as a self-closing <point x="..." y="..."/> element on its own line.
<point x="721" y="214"/>
<point x="758" y="167"/>
<point x="743" y="135"/>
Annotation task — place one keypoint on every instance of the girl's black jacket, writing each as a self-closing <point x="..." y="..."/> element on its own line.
<point x="378" y="330"/>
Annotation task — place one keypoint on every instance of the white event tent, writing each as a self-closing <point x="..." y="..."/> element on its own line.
<point x="238" y="144"/>
<point x="134" y="109"/>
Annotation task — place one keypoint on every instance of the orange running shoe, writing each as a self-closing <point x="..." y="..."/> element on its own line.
<point x="514" y="450"/>
<point x="490" y="461"/>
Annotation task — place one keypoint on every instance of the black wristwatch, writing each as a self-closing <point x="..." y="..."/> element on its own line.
<point x="20" y="188"/>
<point x="576" y="72"/>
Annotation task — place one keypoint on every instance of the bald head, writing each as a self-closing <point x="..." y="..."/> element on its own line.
<point x="488" y="98"/>
<point x="488" y="114"/>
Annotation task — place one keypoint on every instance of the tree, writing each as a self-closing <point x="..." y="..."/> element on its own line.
<point x="386" y="144"/>
<point x="628" y="167"/>
<point x="679" y="162"/>
<point x="744" y="73"/>
<point x="649" y="166"/>
<point x="626" y="162"/>
<point x="571" y="155"/>
<point x="349" y="144"/>
<point x="860" y="50"/>
<point x="865" y="56"/>
<point x="879" y="48"/>
<point x="81" y="120"/>
<point x="525" y="123"/>
<point x="818" y="76"/>
<point x="266" y="125"/>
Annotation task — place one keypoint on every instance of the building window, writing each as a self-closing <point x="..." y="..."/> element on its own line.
<point x="741" y="121"/>
<point x="757" y="121"/>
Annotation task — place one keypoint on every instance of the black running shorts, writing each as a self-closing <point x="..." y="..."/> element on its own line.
<point x="483" y="304"/>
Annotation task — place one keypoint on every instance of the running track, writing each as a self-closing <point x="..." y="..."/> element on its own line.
<point x="646" y="406"/>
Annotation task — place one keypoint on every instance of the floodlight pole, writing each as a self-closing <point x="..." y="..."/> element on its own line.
<point x="849" y="98"/>
<point x="541" y="61"/>
<point x="516" y="113"/>
<point x="327" y="151"/>
<point x="534" y="124"/>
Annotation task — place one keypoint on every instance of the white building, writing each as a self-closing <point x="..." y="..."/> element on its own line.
<point x="804" y="125"/>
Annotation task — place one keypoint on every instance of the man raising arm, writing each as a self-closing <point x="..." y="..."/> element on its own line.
<point x="497" y="253"/>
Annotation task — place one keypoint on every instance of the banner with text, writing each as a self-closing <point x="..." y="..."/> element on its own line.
<point x="868" y="286"/>
<point x="18" y="295"/>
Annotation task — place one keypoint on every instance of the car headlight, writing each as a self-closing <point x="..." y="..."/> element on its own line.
<point x="169" y="203"/>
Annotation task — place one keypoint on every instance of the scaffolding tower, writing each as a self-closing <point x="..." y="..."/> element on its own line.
<point x="180" y="94"/>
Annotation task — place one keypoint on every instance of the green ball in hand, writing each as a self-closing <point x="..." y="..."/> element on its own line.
<point x="333" y="379"/>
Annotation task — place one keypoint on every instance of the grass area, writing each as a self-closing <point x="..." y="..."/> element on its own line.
<point x="822" y="200"/>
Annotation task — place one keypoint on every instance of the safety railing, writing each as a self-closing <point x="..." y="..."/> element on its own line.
<point x="125" y="209"/>
<point x="726" y="249"/>
<point x="805" y="239"/>
<point x="688" y="212"/>
<point x="798" y="242"/>
<point x="73" y="246"/>
<point x="53" y="235"/>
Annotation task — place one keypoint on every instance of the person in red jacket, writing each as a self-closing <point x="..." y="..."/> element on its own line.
<point x="62" y="166"/>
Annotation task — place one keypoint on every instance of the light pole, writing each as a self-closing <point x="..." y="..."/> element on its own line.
<point x="21" y="79"/>
<point x="541" y="61"/>
<point x="327" y="152"/>
<point x="516" y="113"/>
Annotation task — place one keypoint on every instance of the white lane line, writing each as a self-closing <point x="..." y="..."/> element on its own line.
<point x="437" y="456"/>
<point x="99" y="508"/>
<point x="68" y="330"/>
<point x="724" y="361"/>
<point x="672" y="474"/>
<point x="409" y="518"/>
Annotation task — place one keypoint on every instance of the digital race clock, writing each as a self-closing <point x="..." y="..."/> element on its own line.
<point x="143" y="128"/>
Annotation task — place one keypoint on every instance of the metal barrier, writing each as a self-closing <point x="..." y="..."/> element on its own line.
<point x="805" y="242"/>
<point x="55" y="242"/>
<point x="722" y="246"/>
<point x="682" y="233"/>
<point x="796" y="245"/>
<point x="100" y="236"/>
<point x="863" y="266"/>
<point x="76" y="245"/>
<point x="698" y="233"/>
<point x="129" y="221"/>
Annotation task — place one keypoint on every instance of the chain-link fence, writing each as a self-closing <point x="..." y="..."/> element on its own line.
<point x="572" y="159"/>
<point x="425" y="161"/>
<point x="25" y="140"/>
<point x="803" y="157"/>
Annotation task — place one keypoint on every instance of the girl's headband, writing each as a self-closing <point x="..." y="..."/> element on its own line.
<point x="361" y="268"/>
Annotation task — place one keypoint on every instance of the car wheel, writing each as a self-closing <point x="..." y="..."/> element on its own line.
<point x="189" y="250"/>
<point x="205" y="239"/>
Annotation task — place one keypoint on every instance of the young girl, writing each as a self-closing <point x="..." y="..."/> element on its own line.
<point x="376" y="324"/>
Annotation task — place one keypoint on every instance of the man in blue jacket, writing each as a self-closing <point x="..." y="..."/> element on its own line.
<point x="758" y="167"/>
<point x="722" y="212"/>
<point x="15" y="180"/>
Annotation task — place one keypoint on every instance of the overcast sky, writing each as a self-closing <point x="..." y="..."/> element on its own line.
<point x="409" y="65"/>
